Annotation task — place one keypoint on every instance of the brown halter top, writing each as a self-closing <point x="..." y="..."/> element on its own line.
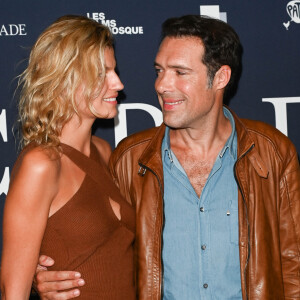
<point x="85" y="235"/>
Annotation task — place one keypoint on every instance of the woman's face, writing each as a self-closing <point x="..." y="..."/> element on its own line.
<point x="105" y="104"/>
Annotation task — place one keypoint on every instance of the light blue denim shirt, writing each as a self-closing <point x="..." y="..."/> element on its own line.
<point x="200" y="250"/>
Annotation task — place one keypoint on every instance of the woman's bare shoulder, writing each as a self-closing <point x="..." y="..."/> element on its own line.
<point x="38" y="161"/>
<point x="35" y="176"/>
<point x="103" y="147"/>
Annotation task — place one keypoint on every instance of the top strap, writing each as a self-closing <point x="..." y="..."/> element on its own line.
<point x="94" y="167"/>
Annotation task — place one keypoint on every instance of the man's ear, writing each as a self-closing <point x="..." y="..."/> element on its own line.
<point x="222" y="77"/>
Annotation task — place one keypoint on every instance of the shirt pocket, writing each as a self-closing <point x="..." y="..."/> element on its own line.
<point x="233" y="215"/>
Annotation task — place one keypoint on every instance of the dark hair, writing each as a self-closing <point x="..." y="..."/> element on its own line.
<point x="221" y="43"/>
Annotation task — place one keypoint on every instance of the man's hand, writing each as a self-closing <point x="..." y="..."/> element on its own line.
<point x="51" y="285"/>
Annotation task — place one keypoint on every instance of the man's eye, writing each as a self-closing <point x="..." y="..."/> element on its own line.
<point x="180" y="73"/>
<point x="157" y="70"/>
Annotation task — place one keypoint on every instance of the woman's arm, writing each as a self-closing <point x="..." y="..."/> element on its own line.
<point x="27" y="205"/>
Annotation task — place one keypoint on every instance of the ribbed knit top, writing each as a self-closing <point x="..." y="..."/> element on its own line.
<point x="85" y="235"/>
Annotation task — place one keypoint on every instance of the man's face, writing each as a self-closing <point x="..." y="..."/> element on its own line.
<point x="182" y="83"/>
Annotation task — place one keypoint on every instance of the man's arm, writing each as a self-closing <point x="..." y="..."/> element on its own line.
<point x="56" y="285"/>
<point x="290" y="228"/>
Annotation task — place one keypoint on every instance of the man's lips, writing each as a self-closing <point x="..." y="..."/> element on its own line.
<point x="171" y="103"/>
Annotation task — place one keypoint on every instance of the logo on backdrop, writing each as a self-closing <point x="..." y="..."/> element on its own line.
<point x="280" y="105"/>
<point x="112" y="24"/>
<point x="121" y="121"/>
<point x="293" y="10"/>
<point x="213" y="11"/>
<point x="12" y="29"/>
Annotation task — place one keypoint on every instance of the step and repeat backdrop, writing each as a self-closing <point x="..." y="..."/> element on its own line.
<point x="269" y="88"/>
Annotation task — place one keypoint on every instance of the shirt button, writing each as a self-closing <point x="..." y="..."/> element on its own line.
<point x="203" y="247"/>
<point x="205" y="285"/>
<point x="202" y="209"/>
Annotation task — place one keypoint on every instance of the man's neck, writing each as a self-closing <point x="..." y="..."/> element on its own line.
<point x="197" y="149"/>
<point x="206" y="139"/>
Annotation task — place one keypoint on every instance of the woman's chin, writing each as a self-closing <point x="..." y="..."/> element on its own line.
<point x="107" y="115"/>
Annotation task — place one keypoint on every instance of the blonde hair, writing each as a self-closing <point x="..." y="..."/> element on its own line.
<point x="67" y="52"/>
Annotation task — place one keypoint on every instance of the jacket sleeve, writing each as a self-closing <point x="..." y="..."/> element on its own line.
<point x="111" y="167"/>
<point x="120" y="170"/>
<point x="290" y="228"/>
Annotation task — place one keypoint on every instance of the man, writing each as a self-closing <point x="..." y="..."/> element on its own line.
<point x="217" y="198"/>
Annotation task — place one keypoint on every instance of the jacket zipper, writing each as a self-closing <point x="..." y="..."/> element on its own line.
<point x="247" y="219"/>
<point x="161" y="191"/>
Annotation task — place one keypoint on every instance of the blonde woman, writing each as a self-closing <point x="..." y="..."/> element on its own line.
<point x="61" y="200"/>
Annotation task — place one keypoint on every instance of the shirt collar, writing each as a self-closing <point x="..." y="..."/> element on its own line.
<point x="229" y="143"/>
<point x="166" y="144"/>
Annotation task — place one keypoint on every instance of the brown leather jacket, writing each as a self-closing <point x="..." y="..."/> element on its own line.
<point x="268" y="177"/>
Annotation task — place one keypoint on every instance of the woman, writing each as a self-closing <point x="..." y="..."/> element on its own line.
<point x="61" y="200"/>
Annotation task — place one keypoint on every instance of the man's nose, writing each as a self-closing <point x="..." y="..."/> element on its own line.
<point x="163" y="83"/>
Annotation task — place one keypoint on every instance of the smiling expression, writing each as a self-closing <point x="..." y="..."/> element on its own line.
<point x="182" y="82"/>
<point x="105" y="104"/>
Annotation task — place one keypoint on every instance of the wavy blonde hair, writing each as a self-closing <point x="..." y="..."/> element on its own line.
<point x="66" y="53"/>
